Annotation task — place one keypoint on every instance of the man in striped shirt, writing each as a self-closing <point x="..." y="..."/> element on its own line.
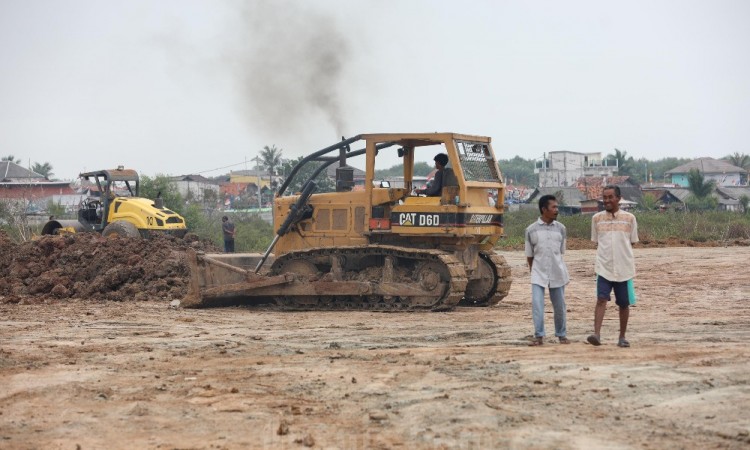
<point x="614" y="231"/>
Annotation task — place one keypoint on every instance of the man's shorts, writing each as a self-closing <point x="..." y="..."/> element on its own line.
<point x="604" y="287"/>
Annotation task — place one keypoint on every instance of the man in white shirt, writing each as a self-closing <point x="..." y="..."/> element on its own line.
<point x="545" y="246"/>
<point x="614" y="231"/>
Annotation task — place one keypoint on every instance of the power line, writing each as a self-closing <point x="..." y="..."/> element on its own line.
<point x="220" y="168"/>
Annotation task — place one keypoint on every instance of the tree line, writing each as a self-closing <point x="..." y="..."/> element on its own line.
<point x="519" y="170"/>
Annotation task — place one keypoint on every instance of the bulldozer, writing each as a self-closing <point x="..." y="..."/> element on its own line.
<point x="118" y="209"/>
<point x="379" y="245"/>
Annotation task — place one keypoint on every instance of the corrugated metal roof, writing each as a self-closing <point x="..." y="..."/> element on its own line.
<point x="736" y="191"/>
<point x="10" y="171"/>
<point x="195" y="178"/>
<point x="721" y="197"/>
<point x="680" y="193"/>
<point x="707" y="165"/>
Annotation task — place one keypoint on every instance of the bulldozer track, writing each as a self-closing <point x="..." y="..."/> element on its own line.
<point x="434" y="270"/>
<point x="503" y="282"/>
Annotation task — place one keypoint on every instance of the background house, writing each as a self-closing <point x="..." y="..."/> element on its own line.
<point x="735" y="191"/>
<point x="12" y="172"/>
<point x="720" y="171"/>
<point x="568" y="198"/>
<point x="254" y="176"/>
<point x="592" y="187"/>
<point x="32" y="191"/>
<point x="196" y="187"/>
<point x="585" y="196"/>
<point x="664" y="197"/>
<point x="727" y="198"/>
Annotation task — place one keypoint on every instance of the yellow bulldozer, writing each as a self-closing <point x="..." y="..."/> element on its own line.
<point x="117" y="209"/>
<point x="374" y="245"/>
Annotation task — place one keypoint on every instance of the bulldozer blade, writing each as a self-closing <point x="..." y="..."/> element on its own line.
<point x="227" y="279"/>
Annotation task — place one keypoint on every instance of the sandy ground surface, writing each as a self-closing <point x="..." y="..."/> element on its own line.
<point x="87" y="374"/>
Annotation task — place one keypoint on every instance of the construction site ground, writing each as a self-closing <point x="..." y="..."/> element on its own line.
<point x="82" y="373"/>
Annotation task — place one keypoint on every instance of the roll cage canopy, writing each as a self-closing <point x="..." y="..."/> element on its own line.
<point x="467" y="144"/>
<point x="105" y="178"/>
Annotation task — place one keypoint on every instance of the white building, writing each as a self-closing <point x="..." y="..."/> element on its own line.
<point x="195" y="187"/>
<point x="564" y="168"/>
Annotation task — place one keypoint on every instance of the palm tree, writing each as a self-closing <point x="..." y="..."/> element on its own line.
<point x="271" y="159"/>
<point x="739" y="159"/>
<point x="11" y="158"/>
<point x="625" y="163"/>
<point x="744" y="202"/>
<point x="698" y="186"/>
<point x="43" y="169"/>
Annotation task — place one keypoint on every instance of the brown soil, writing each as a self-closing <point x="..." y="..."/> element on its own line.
<point x="77" y="373"/>
<point x="89" y="266"/>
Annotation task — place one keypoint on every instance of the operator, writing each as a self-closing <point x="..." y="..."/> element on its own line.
<point x="436" y="188"/>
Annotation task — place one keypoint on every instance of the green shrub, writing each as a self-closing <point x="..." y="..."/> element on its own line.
<point x="253" y="234"/>
<point x="694" y="203"/>
<point x="699" y="226"/>
<point x="648" y="202"/>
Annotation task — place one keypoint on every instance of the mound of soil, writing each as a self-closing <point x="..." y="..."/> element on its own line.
<point x="90" y="267"/>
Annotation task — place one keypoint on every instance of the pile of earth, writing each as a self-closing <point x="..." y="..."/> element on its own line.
<point x="91" y="267"/>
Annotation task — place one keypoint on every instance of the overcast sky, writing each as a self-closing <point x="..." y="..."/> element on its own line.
<point x="187" y="86"/>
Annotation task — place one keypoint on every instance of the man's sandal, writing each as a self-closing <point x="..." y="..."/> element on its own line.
<point x="564" y="340"/>
<point x="536" y="342"/>
<point x="623" y="343"/>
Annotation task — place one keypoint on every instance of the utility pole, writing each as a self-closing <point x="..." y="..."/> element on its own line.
<point x="257" y="164"/>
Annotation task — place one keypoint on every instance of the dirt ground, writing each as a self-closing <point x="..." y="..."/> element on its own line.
<point x="139" y="374"/>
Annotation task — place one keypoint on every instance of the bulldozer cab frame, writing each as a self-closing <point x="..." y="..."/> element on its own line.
<point x="377" y="212"/>
<point x="470" y="158"/>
